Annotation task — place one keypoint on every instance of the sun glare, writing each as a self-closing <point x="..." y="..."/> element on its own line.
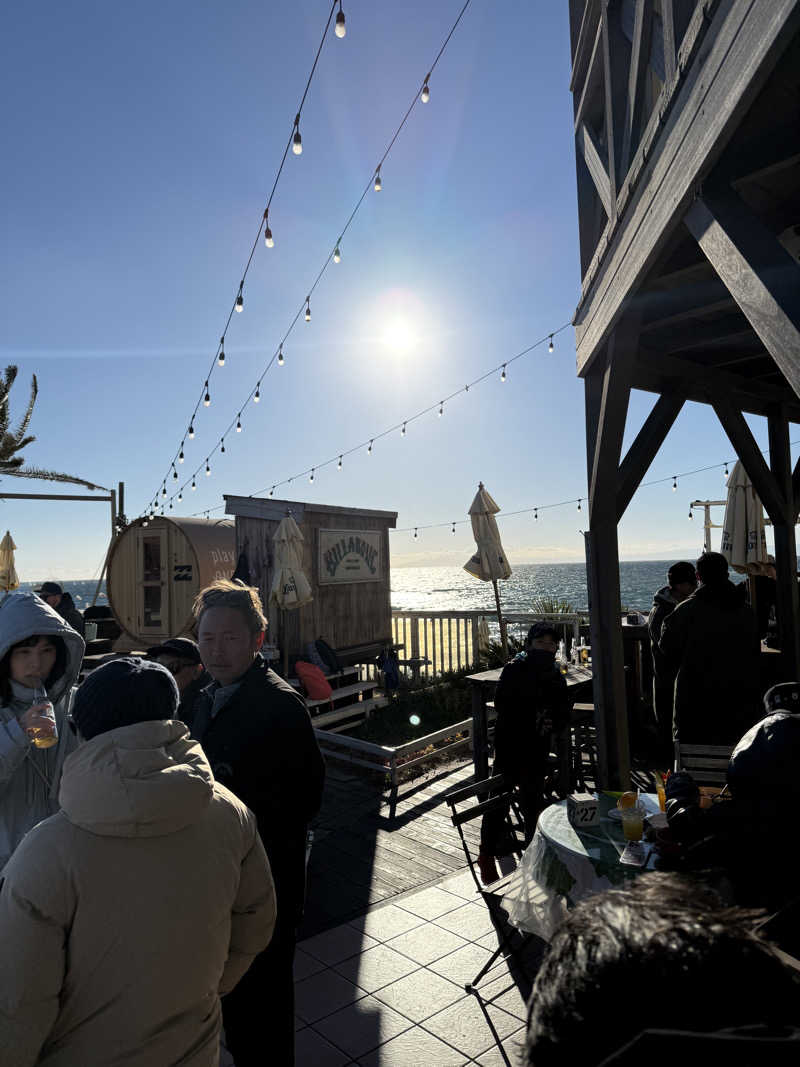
<point x="398" y="335"/>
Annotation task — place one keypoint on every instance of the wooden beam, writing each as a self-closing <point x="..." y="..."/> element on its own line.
<point x="610" y="430"/>
<point x="614" y="47"/>
<point x="712" y="382"/>
<point x="796" y="489"/>
<point x="593" y="77"/>
<point x="654" y="55"/>
<point x="597" y="168"/>
<point x="645" y="447"/>
<point x="757" y="270"/>
<point x="670" y="44"/>
<point x="640" y="48"/>
<point x="734" y="425"/>
<point x="587" y="38"/>
<point x="787" y="599"/>
<point x="718" y="87"/>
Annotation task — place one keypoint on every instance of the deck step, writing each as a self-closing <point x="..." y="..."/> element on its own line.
<point x="345" y="674"/>
<point x="353" y="713"/>
<point x="350" y="693"/>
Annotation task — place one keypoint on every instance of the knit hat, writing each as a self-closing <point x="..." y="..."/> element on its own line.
<point x="767" y="759"/>
<point x="122" y="692"/>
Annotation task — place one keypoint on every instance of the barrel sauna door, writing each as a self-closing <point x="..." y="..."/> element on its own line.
<point x="152" y="596"/>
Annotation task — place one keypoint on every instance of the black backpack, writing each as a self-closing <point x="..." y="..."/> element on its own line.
<point x="328" y="656"/>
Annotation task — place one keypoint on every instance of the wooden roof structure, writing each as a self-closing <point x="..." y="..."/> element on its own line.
<point x="687" y="132"/>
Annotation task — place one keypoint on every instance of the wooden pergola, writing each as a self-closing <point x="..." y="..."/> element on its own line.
<point x="687" y="131"/>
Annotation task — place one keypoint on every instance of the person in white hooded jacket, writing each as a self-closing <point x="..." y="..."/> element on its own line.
<point x="126" y="916"/>
<point x="37" y="648"/>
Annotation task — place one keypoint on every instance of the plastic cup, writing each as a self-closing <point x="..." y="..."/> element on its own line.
<point x="632" y="824"/>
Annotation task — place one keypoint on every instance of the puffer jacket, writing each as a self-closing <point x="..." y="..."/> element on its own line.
<point x="711" y="642"/>
<point x="30" y="776"/>
<point x="124" y="917"/>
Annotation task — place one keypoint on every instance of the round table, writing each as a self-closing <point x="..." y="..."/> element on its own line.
<point x="563" y="865"/>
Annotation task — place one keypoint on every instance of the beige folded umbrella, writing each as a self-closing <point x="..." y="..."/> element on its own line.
<point x="489" y="562"/>
<point x="744" y="543"/>
<point x="8" y="572"/>
<point x="290" y="588"/>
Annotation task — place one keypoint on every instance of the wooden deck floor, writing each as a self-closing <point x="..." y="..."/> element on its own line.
<point x="360" y="858"/>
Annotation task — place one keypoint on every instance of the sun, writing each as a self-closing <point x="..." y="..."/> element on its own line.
<point x="398" y="335"/>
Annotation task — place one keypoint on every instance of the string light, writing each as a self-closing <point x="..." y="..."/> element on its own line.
<point x="579" y="505"/>
<point x="441" y="408"/>
<point x="180" y="494"/>
<point x="207" y="397"/>
<point x="191" y="431"/>
<point x="164" y="489"/>
<point x="297" y="140"/>
<point x="340" y="29"/>
<point x="369" y="450"/>
<point x="208" y="469"/>
<point x="311" y="476"/>
<point x="503" y="375"/>
<point x="308" y="309"/>
<point x="378" y="183"/>
<point x="257" y="394"/>
<point x="691" y="516"/>
<point x="339" y="464"/>
<point x="536" y="514"/>
<point x="454" y="528"/>
<point x="551" y="345"/>
<point x="268" y="239"/>
<point x="240" y="298"/>
<point x="239" y="423"/>
<point x="221" y="356"/>
<point x="425" y="95"/>
<point x="194" y="483"/>
<point x="180" y="454"/>
<point x="674" y="483"/>
<point x="272" y="491"/>
<point x="725" y="474"/>
<point x="144" y="523"/>
<point x="415" y="533"/>
<point x="222" y="445"/>
<point x="170" y="505"/>
<point x="280" y="355"/>
<point x="337" y="255"/>
<point x="403" y="431"/>
<point x="174" y="475"/>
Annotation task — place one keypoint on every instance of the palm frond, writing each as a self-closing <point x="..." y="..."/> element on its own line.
<point x="46" y="476"/>
<point x="19" y="433"/>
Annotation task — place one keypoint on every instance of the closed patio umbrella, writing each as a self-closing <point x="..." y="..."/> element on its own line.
<point x="744" y="543"/>
<point x="8" y="572"/>
<point x="290" y="588"/>
<point x="489" y="563"/>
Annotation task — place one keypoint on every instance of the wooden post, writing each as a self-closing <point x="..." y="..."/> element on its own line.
<point x="501" y="620"/>
<point x="787" y="599"/>
<point x="480" y="732"/>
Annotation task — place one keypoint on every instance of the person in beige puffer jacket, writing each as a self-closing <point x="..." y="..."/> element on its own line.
<point x="124" y="917"/>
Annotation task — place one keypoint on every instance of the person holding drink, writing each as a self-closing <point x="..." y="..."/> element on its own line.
<point x="40" y="657"/>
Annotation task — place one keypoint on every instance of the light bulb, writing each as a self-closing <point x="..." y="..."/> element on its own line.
<point x="208" y="470"/>
<point x="268" y="239"/>
<point x="340" y="29"/>
<point x="337" y="255"/>
<point x="280" y="355"/>
<point x="240" y="300"/>
<point x="174" y="475"/>
<point x="425" y="95"/>
<point x="503" y="375"/>
<point x="579" y="505"/>
<point x="222" y="445"/>
<point x="164" y="490"/>
<point x="221" y="356"/>
<point x="297" y="140"/>
<point x="674" y="484"/>
<point x="170" y="505"/>
<point x="311" y="476"/>
<point x="272" y="491"/>
<point x="339" y="464"/>
<point x="454" y="528"/>
<point x="550" y="346"/>
<point x="378" y="183"/>
<point x="207" y="397"/>
<point x="403" y="431"/>
<point x="441" y="409"/>
<point x="415" y="533"/>
<point x="257" y="394"/>
<point x="180" y="455"/>
<point x="369" y="450"/>
<point x="239" y="423"/>
<point x="690" y="515"/>
<point x="191" y="431"/>
<point x="725" y="474"/>
<point x="194" y="484"/>
<point x="536" y="513"/>
<point x="180" y="495"/>
<point x="308" y="310"/>
<point x="144" y="522"/>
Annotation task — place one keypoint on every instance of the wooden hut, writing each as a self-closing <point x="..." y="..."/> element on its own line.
<point x="155" y="572"/>
<point x="688" y="167"/>
<point x="346" y="561"/>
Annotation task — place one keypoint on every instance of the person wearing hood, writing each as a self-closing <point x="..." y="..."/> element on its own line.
<point x="52" y="594"/>
<point x="126" y="916"/>
<point x="38" y="650"/>
<point x="531" y="703"/>
<point x="711" y="642"/>
<point x="681" y="583"/>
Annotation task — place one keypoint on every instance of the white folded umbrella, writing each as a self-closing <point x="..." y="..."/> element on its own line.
<point x="744" y="543"/>
<point x="489" y="562"/>
<point x="8" y="572"/>
<point x="290" y="588"/>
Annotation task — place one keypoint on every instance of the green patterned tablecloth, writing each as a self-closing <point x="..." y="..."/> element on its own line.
<point x="562" y="866"/>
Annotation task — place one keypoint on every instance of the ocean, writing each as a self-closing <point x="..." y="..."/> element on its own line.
<point x="452" y="589"/>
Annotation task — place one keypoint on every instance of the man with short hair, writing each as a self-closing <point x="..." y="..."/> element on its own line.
<point x="257" y="734"/>
<point x="711" y="642"/>
<point x="181" y="657"/>
<point x="124" y="917"/>
<point x="662" y="954"/>
<point x="531" y="703"/>
<point x="681" y="583"/>
<point x="52" y="594"/>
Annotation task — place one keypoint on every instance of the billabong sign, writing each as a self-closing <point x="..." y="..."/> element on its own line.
<point x="349" y="556"/>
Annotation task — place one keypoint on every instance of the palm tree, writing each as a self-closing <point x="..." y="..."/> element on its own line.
<point x="13" y="441"/>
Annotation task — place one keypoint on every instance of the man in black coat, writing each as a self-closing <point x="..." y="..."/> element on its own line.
<point x="257" y="735"/>
<point x="681" y="583"/>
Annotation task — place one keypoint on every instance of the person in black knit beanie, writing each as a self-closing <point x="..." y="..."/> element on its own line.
<point x="122" y="692"/>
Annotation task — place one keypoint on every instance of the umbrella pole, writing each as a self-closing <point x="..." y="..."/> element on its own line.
<point x="285" y="649"/>
<point x="501" y="620"/>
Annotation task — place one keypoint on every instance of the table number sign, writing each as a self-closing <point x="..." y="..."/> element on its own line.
<point x="582" y="809"/>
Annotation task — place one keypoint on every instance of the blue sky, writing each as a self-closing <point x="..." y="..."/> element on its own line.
<point x="141" y="146"/>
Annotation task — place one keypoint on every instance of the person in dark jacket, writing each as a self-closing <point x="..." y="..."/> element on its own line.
<point x="531" y="703"/>
<point x="711" y="643"/>
<point x="257" y="735"/>
<point x="181" y="657"/>
<point x="681" y="583"/>
<point x="52" y="594"/>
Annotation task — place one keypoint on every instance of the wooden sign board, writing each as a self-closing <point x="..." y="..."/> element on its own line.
<point x="350" y="556"/>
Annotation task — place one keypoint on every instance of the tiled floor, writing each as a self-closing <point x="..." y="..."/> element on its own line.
<point x="387" y="989"/>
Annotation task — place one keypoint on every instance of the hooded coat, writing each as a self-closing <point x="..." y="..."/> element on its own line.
<point x="664" y="603"/>
<point x="124" y="917"/>
<point x="30" y="776"/>
<point x="711" y="642"/>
